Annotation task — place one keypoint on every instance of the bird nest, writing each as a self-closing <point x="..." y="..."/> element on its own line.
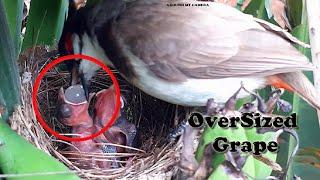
<point x="152" y="157"/>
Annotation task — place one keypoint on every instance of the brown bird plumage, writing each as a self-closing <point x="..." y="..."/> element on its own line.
<point x="209" y="43"/>
<point x="187" y="54"/>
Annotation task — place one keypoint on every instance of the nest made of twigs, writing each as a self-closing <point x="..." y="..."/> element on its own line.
<point x="153" y="118"/>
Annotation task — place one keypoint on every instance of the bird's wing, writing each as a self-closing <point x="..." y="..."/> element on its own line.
<point x="203" y="42"/>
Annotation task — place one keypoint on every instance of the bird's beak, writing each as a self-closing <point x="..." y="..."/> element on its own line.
<point x="74" y="74"/>
<point x="85" y="84"/>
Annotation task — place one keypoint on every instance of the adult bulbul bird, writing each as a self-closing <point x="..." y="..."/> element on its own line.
<point x="186" y="54"/>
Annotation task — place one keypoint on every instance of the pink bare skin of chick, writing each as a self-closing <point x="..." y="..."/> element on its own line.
<point x="75" y="114"/>
<point x="104" y="108"/>
<point x="122" y="132"/>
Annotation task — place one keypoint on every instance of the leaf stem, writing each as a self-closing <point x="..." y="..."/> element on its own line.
<point x="313" y="13"/>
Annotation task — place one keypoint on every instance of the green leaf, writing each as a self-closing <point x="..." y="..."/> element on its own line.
<point x="239" y="4"/>
<point x="14" y="9"/>
<point x="294" y="12"/>
<point x="19" y="157"/>
<point x="45" y="22"/>
<point x="9" y="77"/>
<point x="308" y="123"/>
<point x="257" y="9"/>
<point x="267" y="4"/>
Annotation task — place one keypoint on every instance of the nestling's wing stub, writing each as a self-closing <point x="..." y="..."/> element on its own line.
<point x="202" y="42"/>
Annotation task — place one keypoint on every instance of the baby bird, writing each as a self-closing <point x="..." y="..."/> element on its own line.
<point x="122" y="132"/>
<point x="73" y="111"/>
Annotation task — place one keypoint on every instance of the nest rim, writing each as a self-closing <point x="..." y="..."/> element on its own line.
<point x="159" y="160"/>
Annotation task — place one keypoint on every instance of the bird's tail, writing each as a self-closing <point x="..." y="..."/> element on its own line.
<point x="297" y="82"/>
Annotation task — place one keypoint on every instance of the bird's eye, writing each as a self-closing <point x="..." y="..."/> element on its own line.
<point x="68" y="43"/>
<point x="65" y="111"/>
